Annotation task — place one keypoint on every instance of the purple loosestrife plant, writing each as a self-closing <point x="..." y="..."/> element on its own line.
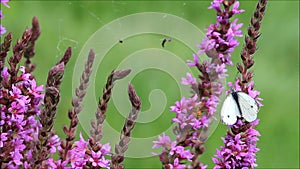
<point x="27" y="138"/>
<point x="193" y="115"/>
<point x="28" y="110"/>
<point x="20" y="99"/>
<point x="240" y="142"/>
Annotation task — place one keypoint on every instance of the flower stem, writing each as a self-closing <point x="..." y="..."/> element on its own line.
<point x="76" y="103"/>
<point x="121" y="148"/>
<point x="96" y="130"/>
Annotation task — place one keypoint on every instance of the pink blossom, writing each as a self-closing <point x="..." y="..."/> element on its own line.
<point x="195" y="62"/>
<point x="177" y="165"/>
<point x="189" y="80"/>
<point x="4" y="2"/>
<point x="163" y="141"/>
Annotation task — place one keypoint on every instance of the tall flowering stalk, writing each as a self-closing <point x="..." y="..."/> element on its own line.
<point x="122" y="147"/>
<point x="240" y="142"/>
<point x="97" y="125"/>
<point x="20" y="99"/>
<point x="193" y="115"/>
<point x="70" y="131"/>
<point x="47" y="137"/>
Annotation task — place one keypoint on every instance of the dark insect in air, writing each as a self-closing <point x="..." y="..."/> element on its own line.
<point x="120" y="41"/>
<point x="164" y="41"/>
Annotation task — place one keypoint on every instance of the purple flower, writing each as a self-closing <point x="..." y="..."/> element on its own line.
<point x="79" y="158"/>
<point x="185" y="111"/>
<point x="59" y="164"/>
<point x="51" y="163"/>
<point x="206" y="45"/>
<point x="189" y="80"/>
<point x="35" y="90"/>
<point x="19" y="118"/>
<point x="239" y="150"/>
<point x="53" y="143"/>
<point x="249" y="88"/>
<point x="4" y="2"/>
<point x="163" y="141"/>
<point x="16" y="155"/>
<point x="105" y="149"/>
<point x="216" y="4"/>
<point x="180" y="106"/>
<point x="16" y="92"/>
<point x="98" y="159"/>
<point x="16" y="158"/>
<point x="234" y="29"/>
<point x="81" y="145"/>
<point x="77" y="153"/>
<point x="177" y="165"/>
<point x="216" y="71"/>
<point x="3" y="138"/>
<point x="19" y="105"/>
<point x="195" y="62"/>
<point x="201" y="122"/>
<point x="216" y="42"/>
<point x="2" y="30"/>
<point x="211" y="104"/>
<point x="197" y="112"/>
<point x="234" y="86"/>
<point x="220" y="70"/>
<point x="183" y="154"/>
<point x="4" y="73"/>
<point x="235" y="7"/>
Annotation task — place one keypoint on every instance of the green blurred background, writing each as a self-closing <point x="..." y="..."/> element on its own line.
<point x="276" y="69"/>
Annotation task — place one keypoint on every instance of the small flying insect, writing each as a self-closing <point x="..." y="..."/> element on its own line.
<point x="165" y="40"/>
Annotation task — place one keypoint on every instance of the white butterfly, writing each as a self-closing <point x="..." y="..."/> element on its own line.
<point x="238" y="104"/>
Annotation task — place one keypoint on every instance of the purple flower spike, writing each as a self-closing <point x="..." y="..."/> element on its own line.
<point x="194" y="114"/>
<point x="239" y="149"/>
<point x="216" y="42"/>
<point x="18" y="116"/>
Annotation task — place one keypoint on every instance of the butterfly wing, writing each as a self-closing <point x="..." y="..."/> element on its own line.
<point x="249" y="107"/>
<point x="229" y="111"/>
